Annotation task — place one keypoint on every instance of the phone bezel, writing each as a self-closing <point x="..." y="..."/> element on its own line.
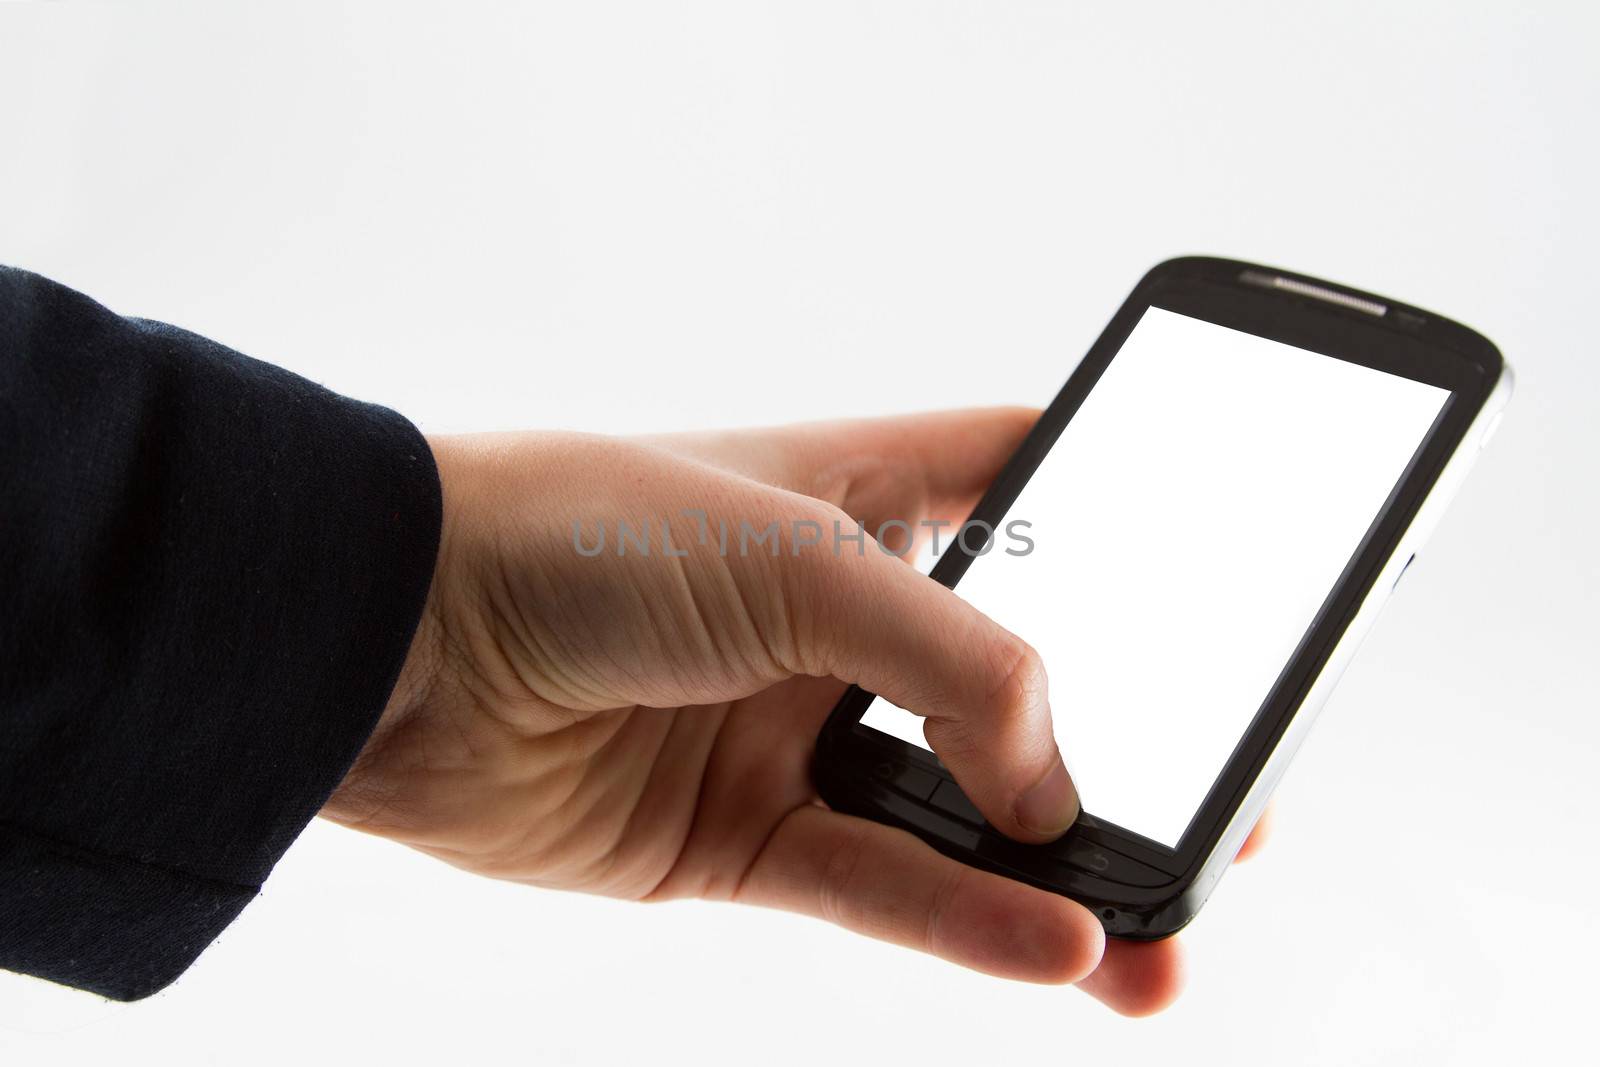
<point x="1403" y="340"/>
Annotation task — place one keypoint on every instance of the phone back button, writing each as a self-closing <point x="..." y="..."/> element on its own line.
<point x="1112" y="866"/>
<point x="1090" y="857"/>
<point x="949" y="799"/>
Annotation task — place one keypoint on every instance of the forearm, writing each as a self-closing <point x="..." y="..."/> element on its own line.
<point x="212" y="571"/>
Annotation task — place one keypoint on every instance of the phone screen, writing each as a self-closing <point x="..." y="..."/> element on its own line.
<point x="1185" y="530"/>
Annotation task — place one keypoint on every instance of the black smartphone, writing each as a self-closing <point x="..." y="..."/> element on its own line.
<point x="1195" y="536"/>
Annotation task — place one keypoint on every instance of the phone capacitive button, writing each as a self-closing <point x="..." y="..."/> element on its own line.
<point x="949" y="799"/>
<point x="913" y="781"/>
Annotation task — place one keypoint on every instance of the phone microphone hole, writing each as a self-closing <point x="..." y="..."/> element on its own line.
<point x="1109" y="914"/>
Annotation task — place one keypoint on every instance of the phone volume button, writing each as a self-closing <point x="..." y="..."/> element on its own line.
<point x="1404" y="568"/>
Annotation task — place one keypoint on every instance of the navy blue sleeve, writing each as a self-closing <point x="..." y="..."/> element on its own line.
<point x="210" y="573"/>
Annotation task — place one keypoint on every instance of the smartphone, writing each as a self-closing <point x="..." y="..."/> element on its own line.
<point x="1196" y="536"/>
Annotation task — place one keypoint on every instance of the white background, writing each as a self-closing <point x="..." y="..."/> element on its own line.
<point x="671" y="214"/>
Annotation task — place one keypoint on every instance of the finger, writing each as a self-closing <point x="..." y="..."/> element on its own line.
<point x="1137" y="977"/>
<point x="871" y="620"/>
<point x="1258" y="836"/>
<point x="904" y="467"/>
<point x="886" y="884"/>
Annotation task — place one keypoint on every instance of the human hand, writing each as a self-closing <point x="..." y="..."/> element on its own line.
<point x="640" y="725"/>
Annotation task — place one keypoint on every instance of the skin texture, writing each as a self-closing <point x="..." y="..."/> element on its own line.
<point x="640" y="726"/>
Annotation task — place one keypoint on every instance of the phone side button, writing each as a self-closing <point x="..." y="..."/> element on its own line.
<point x="1490" y="428"/>
<point x="907" y="779"/>
<point x="949" y="799"/>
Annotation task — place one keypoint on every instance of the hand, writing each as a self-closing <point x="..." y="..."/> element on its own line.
<point x="640" y="724"/>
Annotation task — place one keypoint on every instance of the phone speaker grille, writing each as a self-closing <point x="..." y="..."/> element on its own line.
<point x="1315" y="292"/>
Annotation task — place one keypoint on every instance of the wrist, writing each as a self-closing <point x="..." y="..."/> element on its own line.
<point x="362" y="793"/>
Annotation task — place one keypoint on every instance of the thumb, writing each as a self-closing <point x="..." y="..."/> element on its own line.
<point x="872" y="620"/>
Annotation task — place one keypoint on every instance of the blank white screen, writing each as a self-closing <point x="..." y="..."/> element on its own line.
<point x="1188" y="524"/>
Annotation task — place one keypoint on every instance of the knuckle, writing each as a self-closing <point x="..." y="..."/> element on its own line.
<point x="939" y="910"/>
<point x="823" y="588"/>
<point x="1019" y="682"/>
<point x="838" y="875"/>
<point x="956" y="742"/>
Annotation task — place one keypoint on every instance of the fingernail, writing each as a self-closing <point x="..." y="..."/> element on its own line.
<point x="1051" y="805"/>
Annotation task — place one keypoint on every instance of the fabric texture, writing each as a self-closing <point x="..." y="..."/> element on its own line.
<point x="210" y="573"/>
